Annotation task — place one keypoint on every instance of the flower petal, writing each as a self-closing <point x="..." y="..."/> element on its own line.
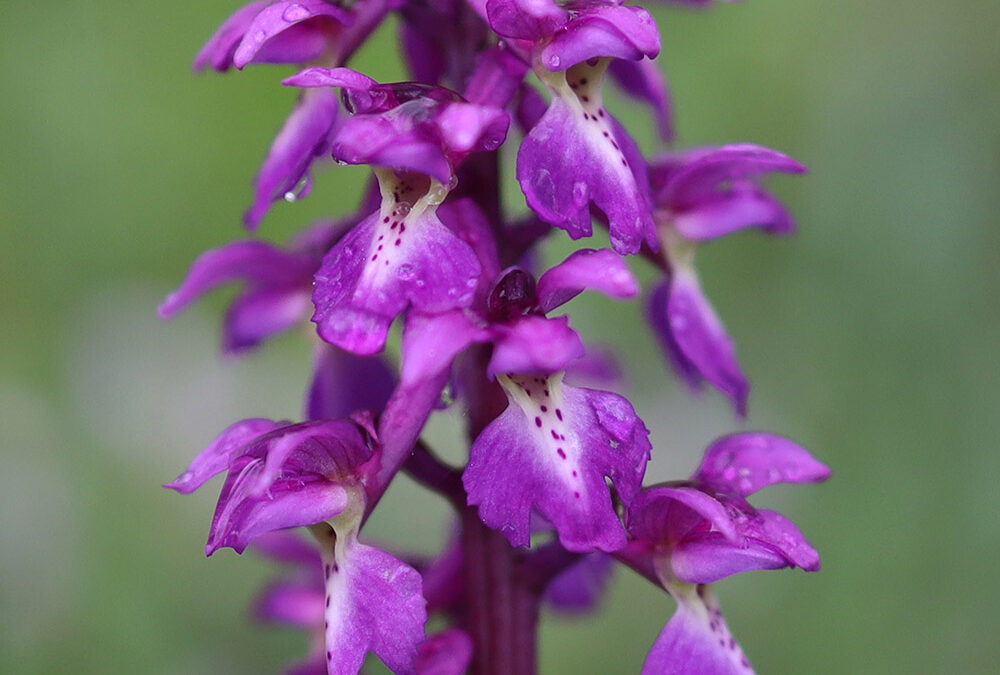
<point x="668" y="514"/>
<point x="254" y="262"/>
<point x="219" y="50"/>
<point x="597" y="31"/>
<point x="681" y="181"/>
<point x="297" y="31"/>
<point x="257" y="315"/>
<point x="431" y="343"/>
<point x="374" y="603"/>
<point x="697" y="641"/>
<point x="577" y="154"/>
<point x="744" y="463"/>
<point x="692" y="335"/>
<point x="446" y="653"/>
<point x="305" y="136"/>
<point x="580" y="587"/>
<point x="386" y="263"/>
<point x="739" y="208"/>
<point x="534" y="345"/>
<point x="218" y="456"/>
<point x="343" y="383"/>
<point x="241" y="516"/>
<point x="298" y="604"/>
<point x="644" y="81"/>
<point x="552" y="449"/>
<point x="525" y="19"/>
<point x="707" y="557"/>
<point x="586" y="269"/>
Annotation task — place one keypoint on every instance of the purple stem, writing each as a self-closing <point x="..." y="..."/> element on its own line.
<point x="431" y="472"/>
<point x="502" y="602"/>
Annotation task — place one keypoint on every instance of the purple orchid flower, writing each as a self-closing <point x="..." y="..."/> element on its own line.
<point x="403" y="254"/>
<point x="293" y="475"/>
<point x="701" y="195"/>
<point x="298" y="599"/>
<point x="298" y="32"/>
<point x="277" y="284"/>
<point x="577" y="153"/>
<point x="276" y="297"/>
<point x="689" y="534"/>
<point x="554" y="446"/>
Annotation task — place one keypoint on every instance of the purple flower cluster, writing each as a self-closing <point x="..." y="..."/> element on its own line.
<point x="552" y="495"/>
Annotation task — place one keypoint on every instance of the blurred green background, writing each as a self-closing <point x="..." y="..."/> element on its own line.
<point x="871" y="337"/>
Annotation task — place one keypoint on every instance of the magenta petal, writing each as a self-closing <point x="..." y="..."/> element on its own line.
<point x="344" y="382"/>
<point x="255" y="262"/>
<point x="496" y="79"/>
<point x="694" y="336"/>
<point x="775" y="530"/>
<point x="257" y="315"/>
<point x="580" y="587"/>
<point x="241" y="516"/>
<point x="697" y="641"/>
<point x="466" y="127"/>
<point x="290" y="32"/>
<point x="705" y="558"/>
<point x="525" y="19"/>
<point x="391" y="141"/>
<point x="375" y="604"/>
<point x="744" y="463"/>
<point x="304" y="137"/>
<point x="219" y="50"/>
<point x="737" y="209"/>
<point x="668" y="514"/>
<point x="297" y="604"/>
<point x="534" y="345"/>
<point x="552" y="451"/>
<point x="288" y="547"/>
<point x="603" y="31"/>
<point x="370" y="276"/>
<point x="446" y="653"/>
<point x="567" y="161"/>
<point x="331" y="77"/>
<point x="431" y="343"/>
<point x="643" y="80"/>
<point x="217" y="457"/>
<point x="602" y="270"/>
<point x="682" y="181"/>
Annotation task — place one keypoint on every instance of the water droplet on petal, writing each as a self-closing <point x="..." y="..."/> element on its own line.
<point x="259" y="36"/>
<point x="295" y="12"/>
<point x="405" y="272"/>
<point x="402" y="209"/>
<point x="554" y="61"/>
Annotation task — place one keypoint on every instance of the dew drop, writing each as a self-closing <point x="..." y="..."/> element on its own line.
<point x="402" y="209"/>
<point x="300" y="190"/>
<point x="554" y="61"/>
<point x="437" y="194"/>
<point x="405" y="272"/>
<point x="295" y="12"/>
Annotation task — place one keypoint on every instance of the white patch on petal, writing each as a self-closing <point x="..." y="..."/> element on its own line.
<point x="406" y="196"/>
<point x="580" y="89"/>
<point x="541" y="401"/>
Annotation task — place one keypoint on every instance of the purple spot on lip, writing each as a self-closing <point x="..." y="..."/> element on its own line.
<point x="559" y="414"/>
<point x="545" y="408"/>
<point x="562" y="453"/>
<point x="576" y="494"/>
<point x="555" y="435"/>
<point x="538" y="421"/>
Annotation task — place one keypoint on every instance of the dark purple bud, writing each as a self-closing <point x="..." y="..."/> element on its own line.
<point x="512" y="296"/>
